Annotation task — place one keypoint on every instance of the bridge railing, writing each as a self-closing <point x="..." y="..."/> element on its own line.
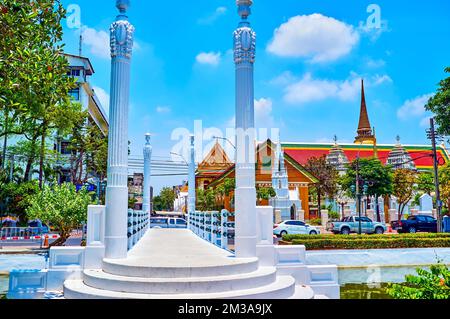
<point x="138" y="224"/>
<point x="215" y="227"/>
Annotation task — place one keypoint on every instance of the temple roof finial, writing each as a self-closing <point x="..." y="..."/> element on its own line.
<point x="244" y="8"/>
<point x="123" y="5"/>
<point x="335" y="139"/>
<point x="398" y="139"/>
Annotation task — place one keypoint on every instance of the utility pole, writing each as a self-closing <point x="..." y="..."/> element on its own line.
<point x="432" y="136"/>
<point x="358" y="197"/>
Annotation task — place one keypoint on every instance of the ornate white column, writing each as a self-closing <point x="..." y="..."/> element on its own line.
<point x="191" y="182"/>
<point x="147" y="174"/>
<point x="245" y="195"/>
<point x="117" y="189"/>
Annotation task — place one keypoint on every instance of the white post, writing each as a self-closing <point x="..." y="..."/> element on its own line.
<point x="117" y="189"/>
<point x="245" y="194"/>
<point x="191" y="182"/>
<point x="147" y="174"/>
<point x="95" y="241"/>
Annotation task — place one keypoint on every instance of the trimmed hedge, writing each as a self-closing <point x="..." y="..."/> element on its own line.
<point x="325" y="242"/>
<point x="355" y="237"/>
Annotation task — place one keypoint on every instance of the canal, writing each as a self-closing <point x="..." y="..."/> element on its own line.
<point x="9" y="262"/>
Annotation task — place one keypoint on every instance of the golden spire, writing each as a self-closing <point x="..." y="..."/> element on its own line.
<point x="365" y="134"/>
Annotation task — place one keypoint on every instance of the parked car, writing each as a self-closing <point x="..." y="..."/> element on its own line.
<point x="350" y="225"/>
<point x="40" y="226"/>
<point x="294" y="227"/>
<point x="167" y="222"/>
<point x="414" y="224"/>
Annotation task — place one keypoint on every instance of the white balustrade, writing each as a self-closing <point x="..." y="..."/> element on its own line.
<point x="138" y="224"/>
<point x="214" y="227"/>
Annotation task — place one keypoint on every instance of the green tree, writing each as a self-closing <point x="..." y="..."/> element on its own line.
<point x="206" y="199"/>
<point x="431" y="285"/>
<point x="265" y="193"/>
<point x="17" y="198"/>
<point x="327" y="178"/>
<point x="62" y="206"/>
<point x="34" y="86"/>
<point x="425" y="183"/>
<point x="167" y="196"/>
<point x="403" y="184"/>
<point x="444" y="181"/>
<point x="371" y="171"/>
<point x="439" y="104"/>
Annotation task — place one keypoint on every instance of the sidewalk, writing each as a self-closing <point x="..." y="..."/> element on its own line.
<point x="34" y="247"/>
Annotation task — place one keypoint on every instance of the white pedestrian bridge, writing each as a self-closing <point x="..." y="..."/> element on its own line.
<point x="175" y="263"/>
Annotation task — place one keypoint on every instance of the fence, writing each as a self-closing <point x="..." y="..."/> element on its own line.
<point x="21" y="233"/>
<point x="138" y="224"/>
<point x="217" y="228"/>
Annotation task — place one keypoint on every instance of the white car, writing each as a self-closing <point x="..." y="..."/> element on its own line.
<point x="294" y="227"/>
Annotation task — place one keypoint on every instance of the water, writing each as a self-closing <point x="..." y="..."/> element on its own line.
<point x="10" y="262"/>
<point x="364" y="291"/>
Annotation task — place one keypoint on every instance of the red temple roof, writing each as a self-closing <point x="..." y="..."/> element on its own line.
<point x="421" y="155"/>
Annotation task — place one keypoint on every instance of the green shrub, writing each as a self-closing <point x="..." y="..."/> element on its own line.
<point x="365" y="236"/>
<point x="315" y="222"/>
<point x="433" y="284"/>
<point x="332" y="216"/>
<point x="370" y="242"/>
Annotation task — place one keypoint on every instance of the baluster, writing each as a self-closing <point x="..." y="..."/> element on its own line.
<point x="130" y="230"/>
<point x="223" y="230"/>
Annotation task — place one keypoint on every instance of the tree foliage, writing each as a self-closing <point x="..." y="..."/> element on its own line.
<point x="431" y="285"/>
<point x="403" y="185"/>
<point x="327" y="177"/>
<point x="34" y="86"/>
<point x="167" y="198"/>
<point x="444" y="181"/>
<point x="17" y="198"/>
<point x="425" y="183"/>
<point x="372" y="172"/>
<point x="439" y="104"/>
<point x="62" y="206"/>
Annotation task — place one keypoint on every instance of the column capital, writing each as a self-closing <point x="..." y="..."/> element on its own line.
<point x="121" y="38"/>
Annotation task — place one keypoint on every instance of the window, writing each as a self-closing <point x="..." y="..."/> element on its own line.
<point x="75" y="93"/>
<point x="160" y="221"/>
<point x="291" y="223"/>
<point x="181" y="222"/>
<point x="76" y="72"/>
<point x="412" y="218"/>
<point x="366" y="220"/>
<point x="65" y="150"/>
<point x="172" y="222"/>
<point x="430" y="219"/>
<point x="299" y="223"/>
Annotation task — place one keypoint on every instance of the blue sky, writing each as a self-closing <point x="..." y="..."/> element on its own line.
<point x="311" y="56"/>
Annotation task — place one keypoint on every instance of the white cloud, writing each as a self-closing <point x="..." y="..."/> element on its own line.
<point x="374" y="64"/>
<point x="315" y="36"/>
<point x="380" y="79"/>
<point x="263" y="115"/>
<point x="163" y="109"/>
<point x="309" y="89"/>
<point x="425" y="122"/>
<point x="103" y="97"/>
<point x="414" y="108"/>
<point x="210" y="58"/>
<point x="220" y="11"/>
<point x="97" y="41"/>
<point x="371" y="32"/>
